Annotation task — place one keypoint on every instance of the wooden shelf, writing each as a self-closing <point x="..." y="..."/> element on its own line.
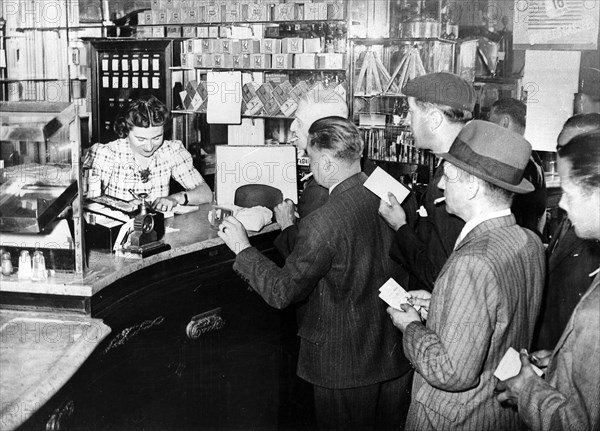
<point x="267" y="117"/>
<point x="247" y="69"/>
<point x="385" y="41"/>
<point x="181" y="24"/>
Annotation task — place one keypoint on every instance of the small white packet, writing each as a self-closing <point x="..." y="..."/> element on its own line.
<point x="392" y="293"/>
<point x="510" y="366"/>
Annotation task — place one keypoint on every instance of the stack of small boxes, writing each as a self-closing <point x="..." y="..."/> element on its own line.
<point x="287" y="53"/>
<point x="172" y="15"/>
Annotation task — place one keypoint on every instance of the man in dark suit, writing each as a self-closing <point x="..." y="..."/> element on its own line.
<point x="440" y="104"/>
<point x="570" y="261"/>
<point x="349" y="349"/>
<point x="487" y="295"/>
<point x="530" y="208"/>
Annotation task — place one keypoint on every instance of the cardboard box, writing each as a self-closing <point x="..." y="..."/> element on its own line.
<point x="252" y="12"/>
<point x="312" y="45"/>
<point x="232" y="46"/>
<point x="241" y="61"/>
<point x="144" y="18"/>
<point x="228" y="61"/>
<point x="213" y="13"/>
<point x="331" y="61"/>
<point x="173" y="31"/>
<point x="260" y="61"/>
<point x="143" y="32"/>
<point x="174" y="16"/>
<point x="218" y="61"/>
<point x="264" y="92"/>
<point x="285" y="12"/>
<point x="192" y="16"/>
<point x="196" y="46"/>
<point x="281" y="92"/>
<point x="249" y="90"/>
<point x="252" y="107"/>
<point x="250" y="46"/>
<point x="224" y="31"/>
<point x="292" y="45"/>
<point x="213" y="32"/>
<point x="202" y="31"/>
<point x="158" y="32"/>
<point x="305" y="61"/>
<point x="232" y="11"/>
<point x="271" y="107"/>
<point x="160" y="16"/>
<point x="270" y="46"/>
<point x="289" y="107"/>
<point x="155" y="4"/>
<point x="299" y="90"/>
<point x="188" y="31"/>
<point x="315" y="11"/>
<point x="203" y="61"/>
<point x="187" y="59"/>
<point x="282" y="61"/>
<point x="216" y="46"/>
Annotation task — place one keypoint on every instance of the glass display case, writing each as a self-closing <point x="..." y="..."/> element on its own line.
<point x="40" y="180"/>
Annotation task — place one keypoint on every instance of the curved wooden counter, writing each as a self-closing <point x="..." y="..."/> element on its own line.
<point x="190" y="345"/>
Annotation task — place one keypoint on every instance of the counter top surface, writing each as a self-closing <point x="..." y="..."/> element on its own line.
<point x="185" y="234"/>
<point x="39" y="353"/>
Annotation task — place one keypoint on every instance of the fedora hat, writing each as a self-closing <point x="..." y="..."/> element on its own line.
<point x="492" y="153"/>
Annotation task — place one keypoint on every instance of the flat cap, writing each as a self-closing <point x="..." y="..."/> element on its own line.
<point x="442" y="88"/>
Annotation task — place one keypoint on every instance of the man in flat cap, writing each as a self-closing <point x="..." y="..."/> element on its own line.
<point x="440" y="104"/>
<point x="487" y="296"/>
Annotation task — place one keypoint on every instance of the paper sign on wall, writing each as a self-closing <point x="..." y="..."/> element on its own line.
<point x="224" y="97"/>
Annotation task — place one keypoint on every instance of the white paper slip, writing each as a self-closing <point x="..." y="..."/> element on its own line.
<point x="510" y="366"/>
<point x="392" y="293"/>
<point x="381" y="183"/>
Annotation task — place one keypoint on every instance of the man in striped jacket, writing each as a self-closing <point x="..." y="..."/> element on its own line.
<point x="486" y="297"/>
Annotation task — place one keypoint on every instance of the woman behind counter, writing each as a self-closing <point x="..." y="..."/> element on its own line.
<point x="141" y="160"/>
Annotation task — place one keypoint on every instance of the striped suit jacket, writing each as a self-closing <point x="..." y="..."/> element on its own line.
<point x="569" y="398"/>
<point x="485" y="300"/>
<point x="339" y="262"/>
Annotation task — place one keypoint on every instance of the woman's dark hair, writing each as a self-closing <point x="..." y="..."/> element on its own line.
<point x="142" y="112"/>
<point x="337" y="135"/>
<point x="583" y="152"/>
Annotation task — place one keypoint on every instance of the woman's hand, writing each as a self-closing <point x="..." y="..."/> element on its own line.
<point x="165" y="203"/>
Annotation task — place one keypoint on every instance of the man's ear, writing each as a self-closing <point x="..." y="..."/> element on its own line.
<point x="473" y="186"/>
<point x="505" y="121"/>
<point x="435" y="118"/>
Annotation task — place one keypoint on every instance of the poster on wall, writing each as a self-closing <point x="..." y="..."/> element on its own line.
<point x="556" y="24"/>
<point x="549" y="95"/>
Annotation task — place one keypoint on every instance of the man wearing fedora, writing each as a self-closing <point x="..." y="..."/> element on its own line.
<point x="487" y="295"/>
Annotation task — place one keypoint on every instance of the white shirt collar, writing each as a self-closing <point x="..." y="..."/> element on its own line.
<point x="334" y="186"/>
<point x="474" y="222"/>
